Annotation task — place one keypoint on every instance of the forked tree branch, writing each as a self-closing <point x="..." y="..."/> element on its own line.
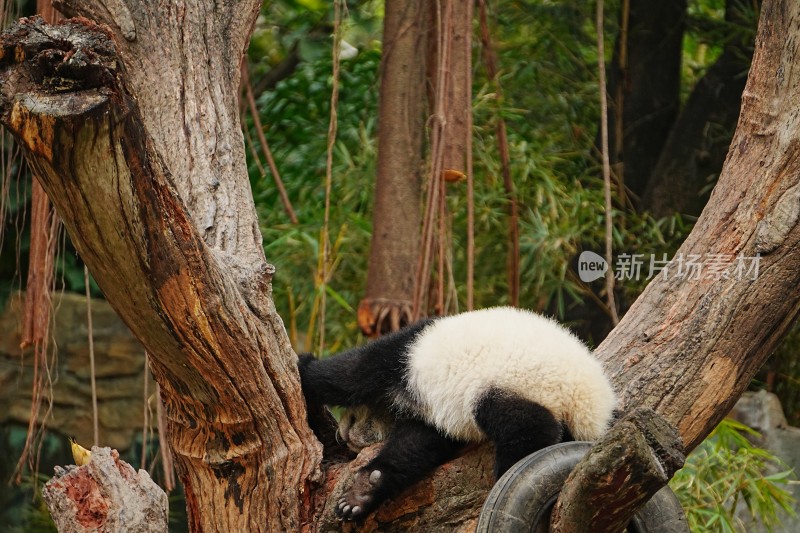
<point x="227" y="375"/>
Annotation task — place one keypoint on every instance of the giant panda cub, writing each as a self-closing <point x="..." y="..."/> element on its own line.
<point x="515" y="378"/>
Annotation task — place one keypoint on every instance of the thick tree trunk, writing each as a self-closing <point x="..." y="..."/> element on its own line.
<point x="396" y="214"/>
<point x="694" y="339"/>
<point x="227" y="373"/>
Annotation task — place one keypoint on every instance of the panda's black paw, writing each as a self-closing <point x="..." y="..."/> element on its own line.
<point x="359" y="500"/>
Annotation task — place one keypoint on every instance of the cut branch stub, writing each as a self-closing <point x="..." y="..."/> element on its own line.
<point x="74" y="56"/>
<point x="635" y="459"/>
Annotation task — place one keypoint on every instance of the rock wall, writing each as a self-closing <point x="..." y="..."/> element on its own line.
<point x="762" y="411"/>
<point x="119" y="366"/>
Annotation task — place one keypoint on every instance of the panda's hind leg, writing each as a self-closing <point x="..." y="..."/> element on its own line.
<point x="412" y="450"/>
<point x="517" y="426"/>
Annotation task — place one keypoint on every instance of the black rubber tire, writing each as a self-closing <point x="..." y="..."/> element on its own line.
<point x="523" y="497"/>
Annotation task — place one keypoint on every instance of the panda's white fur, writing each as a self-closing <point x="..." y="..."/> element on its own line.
<point x="455" y="359"/>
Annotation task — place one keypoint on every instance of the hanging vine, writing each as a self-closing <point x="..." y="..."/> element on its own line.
<point x="601" y="68"/>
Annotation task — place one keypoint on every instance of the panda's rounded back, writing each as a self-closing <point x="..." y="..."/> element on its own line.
<point x="455" y="359"/>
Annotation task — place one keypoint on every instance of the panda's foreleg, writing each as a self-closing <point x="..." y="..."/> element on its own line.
<point x="412" y="450"/>
<point x="516" y="426"/>
<point x="333" y="381"/>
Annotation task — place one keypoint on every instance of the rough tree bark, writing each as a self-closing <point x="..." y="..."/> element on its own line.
<point x="396" y="213"/>
<point x="173" y="242"/>
<point x="688" y="348"/>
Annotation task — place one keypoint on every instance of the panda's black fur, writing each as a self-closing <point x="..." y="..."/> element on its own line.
<point x="515" y="378"/>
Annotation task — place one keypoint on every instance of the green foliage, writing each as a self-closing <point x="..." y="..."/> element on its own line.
<point x="709" y="31"/>
<point x="551" y="133"/>
<point x="22" y="509"/>
<point x="551" y="140"/>
<point x="725" y="469"/>
<point x="296" y="116"/>
<point x="781" y="375"/>
<point x="304" y="27"/>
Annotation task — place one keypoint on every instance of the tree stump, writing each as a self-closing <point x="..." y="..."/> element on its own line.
<point x="105" y="495"/>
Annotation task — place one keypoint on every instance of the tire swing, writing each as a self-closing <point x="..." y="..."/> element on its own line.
<point x="523" y="498"/>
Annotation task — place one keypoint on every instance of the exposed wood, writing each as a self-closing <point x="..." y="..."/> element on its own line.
<point x="620" y="473"/>
<point x="227" y="374"/>
<point x="107" y="494"/>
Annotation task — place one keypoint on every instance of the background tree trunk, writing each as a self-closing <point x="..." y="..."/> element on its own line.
<point x="698" y="142"/>
<point x="396" y="212"/>
<point x="645" y="79"/>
